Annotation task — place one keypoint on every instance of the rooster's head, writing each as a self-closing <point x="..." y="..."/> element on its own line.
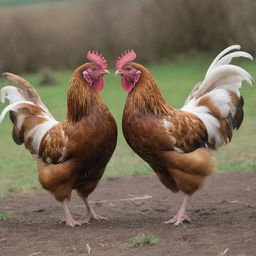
<point x="94" y="71"/>
<point x="128" y="70"/>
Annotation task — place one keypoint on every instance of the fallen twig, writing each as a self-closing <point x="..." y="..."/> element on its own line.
<point x="124" y="199"/>
<point x="136" y="198"/>
<point x="250" y="205"/>
<point x="36" y="253"/>
<point x="246" y="204"/>
<point x="88" y="248"/>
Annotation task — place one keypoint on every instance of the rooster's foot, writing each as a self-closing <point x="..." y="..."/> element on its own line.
<point x="182" y="213"/>
<point x="70" y="222"/>
<point x="91" y="213"/>
<point x="179" y="218"/>
<point x="94" y="216"/>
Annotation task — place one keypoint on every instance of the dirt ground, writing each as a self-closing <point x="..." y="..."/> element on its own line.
<point x="223" y="220"/>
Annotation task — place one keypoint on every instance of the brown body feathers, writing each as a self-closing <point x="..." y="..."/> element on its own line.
<point x="177" y="143"/>
<point x="71" y="154"/>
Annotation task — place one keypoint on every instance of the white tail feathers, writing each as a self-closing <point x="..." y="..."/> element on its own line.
<point x="221" y="74"/>
<point x="25" y="91"/>
<point x="15" y="97"/>
<point x="12" y="107"/>
<point x="11" y="93"/>
<point x="219" y="92"/>
<point x="26" y="105"/>
<point x="223" y="59"/>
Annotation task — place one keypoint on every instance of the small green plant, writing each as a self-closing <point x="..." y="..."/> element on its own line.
<point x="4" y="216"/>
<point x="143" y="240"/>
<point x="223" y="253"/>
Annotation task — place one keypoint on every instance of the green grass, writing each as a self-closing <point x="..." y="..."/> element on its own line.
<point x="223" y="253"/>
<point x="176" y="79"/>
<point x="4" y="216"/>
<point x="143" y="240"/>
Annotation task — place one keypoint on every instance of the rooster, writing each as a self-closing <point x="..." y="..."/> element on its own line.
<point x="177" y="143"/>
<point x="71" y="154"/>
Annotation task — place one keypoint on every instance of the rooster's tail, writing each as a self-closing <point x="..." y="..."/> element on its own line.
<point x="30" y="117"/>
<point x="217" y="100"/>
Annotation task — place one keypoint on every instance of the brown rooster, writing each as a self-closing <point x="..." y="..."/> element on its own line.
<point x="177" y="144"/>
<point x="71" y="154"/>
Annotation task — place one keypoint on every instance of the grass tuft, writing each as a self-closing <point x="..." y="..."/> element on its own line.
<point x="143" y="240"/>
<point x="223" y="253"/>
<point x="4" y="216"/>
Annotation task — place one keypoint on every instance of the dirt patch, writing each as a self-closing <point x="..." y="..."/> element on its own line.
<point x="223" y="216"/>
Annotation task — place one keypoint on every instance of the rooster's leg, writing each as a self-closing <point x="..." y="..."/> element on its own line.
<point x="91" y="212"/>
<point x="68" y="216"/>
<point x="182" y="213"/>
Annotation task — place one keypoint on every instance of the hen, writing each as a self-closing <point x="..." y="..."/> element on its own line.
<point x="177" y="144"/>
<point x="71" y="154"/>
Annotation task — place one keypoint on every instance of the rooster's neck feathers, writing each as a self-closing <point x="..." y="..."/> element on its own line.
<point x="146" y="96"/>
<point x="81" y="98"/>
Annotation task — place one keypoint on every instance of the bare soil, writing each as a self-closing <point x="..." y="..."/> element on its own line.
<point x="223" y="220"/>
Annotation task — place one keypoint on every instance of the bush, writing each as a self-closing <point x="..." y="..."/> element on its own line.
<point x="58" y="35"/>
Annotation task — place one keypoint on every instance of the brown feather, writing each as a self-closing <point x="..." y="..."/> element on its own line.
<point x="154" y="130"/>
<point x="81" y="98"/>
<point x="26" y="89"/>
<point x="73" y="154"/>
<point x="76" y="146"/>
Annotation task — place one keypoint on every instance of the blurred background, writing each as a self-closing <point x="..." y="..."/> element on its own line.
<point x="177" y="40"/>
<point x="37" y="33"/>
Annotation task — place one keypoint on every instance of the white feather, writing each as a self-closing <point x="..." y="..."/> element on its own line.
<point x="178" y="150"/>
<point x="13" y="107"/>
<point x="211" y="123"/>
<point x="63" y="151"/>
<point x="221" y="77"/>
<point x="228" y="58"/>
<point x="11" y="93"/>
<point x="20" y="120"/>
<point x="167" y="124"/>
<point x="37" y="133"/>
<point x="16" y="99"/>
<point x="220" y="55"/>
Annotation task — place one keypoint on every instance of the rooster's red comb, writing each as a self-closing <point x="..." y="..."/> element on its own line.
<point x="125" y="57"/>
<point x="97" y="58"/>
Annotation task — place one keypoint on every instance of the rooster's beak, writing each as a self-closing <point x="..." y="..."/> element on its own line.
<point x="106" y="72"/>
<point x="117" y="72"/>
